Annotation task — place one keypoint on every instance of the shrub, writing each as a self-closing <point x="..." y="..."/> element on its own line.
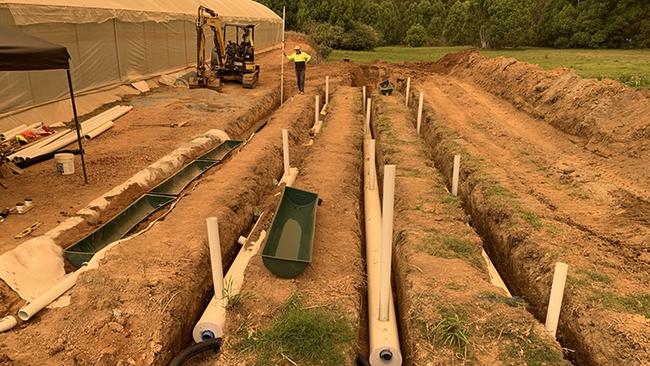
<point x="360" y="37"/>
<point x="416" y="36"/>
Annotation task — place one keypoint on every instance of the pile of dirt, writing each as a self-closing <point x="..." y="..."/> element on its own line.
<point x="611" y="117"/>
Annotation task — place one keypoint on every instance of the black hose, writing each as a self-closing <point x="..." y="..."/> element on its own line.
<point x="195" y="349"/>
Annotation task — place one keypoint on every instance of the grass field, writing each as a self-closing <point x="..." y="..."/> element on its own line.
<point x="631" y="67"/>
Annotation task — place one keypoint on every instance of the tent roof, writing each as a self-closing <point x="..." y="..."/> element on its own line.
<point x="27" y="12"/>
<point x="21" y="51"/>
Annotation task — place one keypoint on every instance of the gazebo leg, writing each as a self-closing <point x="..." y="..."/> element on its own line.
<point x="76" y="123"/>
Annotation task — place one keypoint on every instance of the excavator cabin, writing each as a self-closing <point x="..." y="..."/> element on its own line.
<point x="232" y="60"/>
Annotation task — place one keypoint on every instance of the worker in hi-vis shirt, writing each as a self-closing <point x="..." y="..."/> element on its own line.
<point x="300" y="59"/>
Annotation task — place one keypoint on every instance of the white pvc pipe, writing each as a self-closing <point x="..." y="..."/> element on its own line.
<point x="372" y="185"/>
<point x="99" y="130"/>
<point x="315" y="129"/>
<point x="327" y="90"/>
<point x="383" y="336"/>
<point x="455" y="175"/>
<point x="495" y="277"/>
<point x="555" y="300"/>
<point x="215" y="256"/>
<point x="282" y="58"/>
<point x="386" y="242"/>
<point x="289" y="179"/>
<point x="408" y="91"/>
<point x="11" y="133"/>
<point x="7" y="323"/>
<point x="285" y="150"/>
<point x="211" y="324"/>
<point x="363" y="101"/>
<point x="316" y="109"/>
<point x="368" y="112"/>
<point x="419" y="124"/>
<point x="29" y="310"/>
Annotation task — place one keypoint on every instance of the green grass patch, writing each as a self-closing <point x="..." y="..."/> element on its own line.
<point x="525" y="346"/>
<point x="634" y="304"/>
<point x="451" y="331"/>
<point x="449" y="247"/>
<point x="450" y="200"/>
<point x="631" y="67"/>
<point x="307" y="336"/>
<point x="531" y="218"/>
<point x="514" y="301"/>
<point x="499" y="191"/>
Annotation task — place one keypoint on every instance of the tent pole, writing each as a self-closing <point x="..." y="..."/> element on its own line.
<point x="76" y="124"/>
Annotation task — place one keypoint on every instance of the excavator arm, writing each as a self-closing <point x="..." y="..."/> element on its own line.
<point x="209" y="18"/>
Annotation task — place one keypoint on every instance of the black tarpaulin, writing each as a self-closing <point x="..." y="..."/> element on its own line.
<point x="21" y="52"/>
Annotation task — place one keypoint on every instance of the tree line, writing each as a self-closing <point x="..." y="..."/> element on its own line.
<point x="366" y="24"/>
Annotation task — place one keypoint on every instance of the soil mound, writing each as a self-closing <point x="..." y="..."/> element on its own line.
<point x="611" y="117"/>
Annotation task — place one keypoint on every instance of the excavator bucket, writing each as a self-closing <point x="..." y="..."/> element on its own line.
<point x="209" y="83"/>
<point x="249" y="81"/>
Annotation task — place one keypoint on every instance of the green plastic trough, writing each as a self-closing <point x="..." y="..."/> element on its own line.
<point x="220" y="152"/>
<point x="288" y="249"/>
<point x="115" y="229"/>
<point x="174" y="185"/>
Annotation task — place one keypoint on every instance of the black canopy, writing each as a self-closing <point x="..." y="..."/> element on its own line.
<point x="20" y="51"/>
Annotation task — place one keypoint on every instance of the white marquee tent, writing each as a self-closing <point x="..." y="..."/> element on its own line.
<point x="111" y="42"/>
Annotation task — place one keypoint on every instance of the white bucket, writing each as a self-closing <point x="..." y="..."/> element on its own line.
<point x="64" y="163"/>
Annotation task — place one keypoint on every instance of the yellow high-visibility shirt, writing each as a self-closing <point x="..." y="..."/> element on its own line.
<point x="302" y="57"/>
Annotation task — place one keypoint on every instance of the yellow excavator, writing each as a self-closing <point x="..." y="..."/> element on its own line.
<point x="231" y="60"/>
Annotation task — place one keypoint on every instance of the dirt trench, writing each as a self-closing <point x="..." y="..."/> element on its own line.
<point x="140" y="305"/>
<point x="449" y="311"/>
<point x="333" y="284"/>
<point x="604" y="316"/>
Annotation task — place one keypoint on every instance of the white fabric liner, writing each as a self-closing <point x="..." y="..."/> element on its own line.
<point x="113" y="42"/>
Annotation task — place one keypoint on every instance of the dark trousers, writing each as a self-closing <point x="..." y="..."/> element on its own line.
<point x="300" y="77"/>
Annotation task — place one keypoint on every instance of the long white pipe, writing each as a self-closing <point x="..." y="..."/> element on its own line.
<point x="13" y="132"/>
<point x="99" y="130"/>
<point x="7" y="323"/>
<point x="327" y="90"/>
<point x="215" y="256"/>
<point x="384" y="338"/>
<point x="316" y="109"/>
<point x="363" y="101"/>
<point x="29" y="310"/>
<point x="419" y="123"/>
<point x="455" y="175"/>
<point x="368" y="113"/>
<point x="386" y="242"/>
<point x="555" y="300"/>
<point x="282" y="58"/>
<point x="372" y="184"/>
<point x="408" y="91"/>
<point x="211" y="324"/>
<point x="285" y="150"/>
<point x="289" y="179"/>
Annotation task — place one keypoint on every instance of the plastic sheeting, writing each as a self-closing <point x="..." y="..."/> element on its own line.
<point x="113" y="42"/>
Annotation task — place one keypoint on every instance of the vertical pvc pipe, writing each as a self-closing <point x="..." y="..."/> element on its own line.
<point x="316" y="109"/>
<point x="386" y="242"/>
<point x="373" y="168"/>
<point x="363" y="101"/>
<point x="327" y="90"/>
<point x="285" y="150"/>
<point x="419" y="124"/>
<point x="215" y="256"/>
<point x="555" y="300"/>
<point x="455" y="175"/>
<point x="408" y="91"/>
<point x="282" y="58"/>
<point x="368" y="110"/>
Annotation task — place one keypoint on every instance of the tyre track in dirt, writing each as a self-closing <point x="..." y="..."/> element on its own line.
<point x="334" y="281"/>
<point x="440" y="277"/>
<point x="604" y="317"/>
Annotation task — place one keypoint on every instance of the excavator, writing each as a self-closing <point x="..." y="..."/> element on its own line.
<point x="231" y="60"/>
